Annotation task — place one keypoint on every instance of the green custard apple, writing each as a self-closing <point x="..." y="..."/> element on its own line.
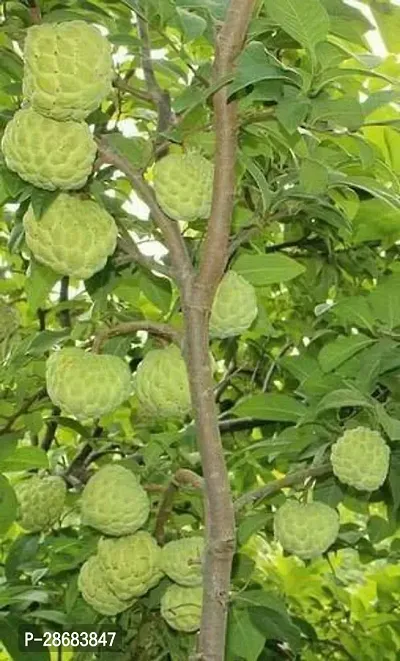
<point x="41" y="502"/>
<point x="182" y="559"/>
<point x="9" y="321"/>
<point x="181" y="607"/>
<point x="360" y="458"/>
<point x="183" y="185"/>
<point x="234" y="308"/>
<point x="130" y="564"/>
<point x="114" y="502"/>
<point x="46" y="153"/>
<point x="74" y="236"/>
<point x="95" y="591"/>
<point x="87" y="385"/>
<point x="162" y="384"/>
<point x="306" y="530"/>
<point x="68" y="69"/>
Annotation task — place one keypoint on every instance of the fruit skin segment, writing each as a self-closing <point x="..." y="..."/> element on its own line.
<point x="181" y="607"/>
<point x="96" y="592"/>
<point x="183" y="186"/>
<point x="47" y="153"/>
<point x="181" y="560"/>
<point x="41" y="502"/>
<point x="74" y="236"/>
<point x="68" y="69"/>
<point x="162" y="384"/>
<point x="306" y="530"/>
<point x="131" y="564"/>
<point x="87" y="385"/>
<point x="114" y="502"/>
<point x="234" y="308"/>
<point x="360" y="458"/>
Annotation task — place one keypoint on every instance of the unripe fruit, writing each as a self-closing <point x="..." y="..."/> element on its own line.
<point x="183" y="186"/>
<point x="234" y="308"/>
<point x="95" y="590"/>
<point x="68" y="69"/>
<point x="74" y="236"/>
<point x="87" y="385"/>
<point x="182" y="559"/>
<point x="41" y="502"/>
<point x="181" y="607"/>
<point x="46" y="153"/>
<point x="114" y="502"/>
<point x="9" y="321"/>
<point x="361" y="458"/>
<point x="162" y="384"/>
<point x="131" y="564"/>
<point x="306" y="530"/>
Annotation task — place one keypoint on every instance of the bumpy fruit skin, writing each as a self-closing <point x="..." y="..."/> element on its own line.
<point x="9" y="321"/>
<point x="131" y="564"/>
<point x="41" y="502"/>
<point x="46" y="153"/>
<point x="68" y="69"/>
<point x="183" y="186"/>
<point x="360" y="458"/>
<point x="162" y="384"/>
<point x="74" y="236"/>
<point x="181" y="607"/>
<point x="95" y="590"/>
<point x="181" y="560"/>
<point x="87" y="385"/>
<point x="114" y="502"/>
<point x="306" y="530"/>
<point x="234" y="308"/>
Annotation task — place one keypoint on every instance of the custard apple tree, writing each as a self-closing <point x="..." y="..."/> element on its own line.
<point x="200" y="329"/>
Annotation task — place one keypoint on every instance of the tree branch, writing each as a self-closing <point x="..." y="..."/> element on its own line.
<point x="24" y="408"/>
<point x="131" y="327"/>
<point x="287" y="481"/>
<point x="133" y="254"/>
<point x="182" y="477"/>
<point x="180" y="259"/>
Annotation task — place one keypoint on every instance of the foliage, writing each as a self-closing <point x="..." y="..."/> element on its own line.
<point x="315" y="231"/>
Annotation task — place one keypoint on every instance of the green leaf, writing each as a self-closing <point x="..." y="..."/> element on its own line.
<point x="394" y="480"/>
<point x="8" y="506"/>
<point x="41" y="200"/>
<point x="306" y="20"/>
<point x="244" y="640"/>
<point x="292" y="112"/>
<point x="157" y="290"/>
<point x="252" y="524"/>
<point x="313" y="176"/>
<point x="343" y="397"/>
<point x="328" y="491"/>
<point x="260" y="180"/>
<point x="10" y="628"/>
<point x="355" y="311"/>
<point x="39" y="284"/>
<point x="385" y="301"/>
<point x="263" y="598"/>
<point x="254" y="65"/>
<point x="270" y="406"/>
<point x="267" y="269"/>
<point x="24" y="459"/>
<point x="344" y="347"/>
<point x="276" y="626"/>
<point x="391" y="426"/>
<point x="137" y="150"/>
<point x="46" y="340"/>
<point x="344" y="112"/>
<point x="193" y="25"/>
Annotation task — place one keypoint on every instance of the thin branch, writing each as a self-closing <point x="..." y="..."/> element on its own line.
<point x="76" y="471"/>
<point x="24" y="408"/>
<point x="180" y="259"/>
<point x="287" y="481"/>
<point x="239" y="424"/>
<point x="182" y="477"/>
<point x="120" y="84"/>
<point x="131" y="253"/>
<point x="64" y="314"/>
<point x="34" y="11"/>
<point x="131" y="327"/>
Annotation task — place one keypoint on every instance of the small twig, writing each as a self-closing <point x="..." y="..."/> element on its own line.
<point x="133" y="254"/>
<point x="182" y="477"/>
<point x="273" y="365"/>
<point x="64" y="315"/>
<point x="239" y="424"/>
<point x="25" y="406"/>
<point x="125" y="87"/>
<point x="77" y="467"/>
<point x="131" y="327"/>
<point x="287" y="481"/>
<point x="34" y="11"/>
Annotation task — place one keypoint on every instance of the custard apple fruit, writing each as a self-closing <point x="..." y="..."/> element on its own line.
<point x="306" y="530"/>
<point x="361" y="458"/>
<point x="183" y="186"/>
<point x="46" y="153"/>
<point x="162" y="383"/>
<point x="114" y="502"/>
<point x="9" y="321"/>
<point x="74" y="236"/>
<point x="234" y="308"/>
<point x="182" y="559"/>
<point x="68" y="69"/>
<point x="87" y="385"/>
<point x="95" y="591"/>
<point x="41" y="502"/>
<point x="181" y="607"/>
<point x="131" y="564"/>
